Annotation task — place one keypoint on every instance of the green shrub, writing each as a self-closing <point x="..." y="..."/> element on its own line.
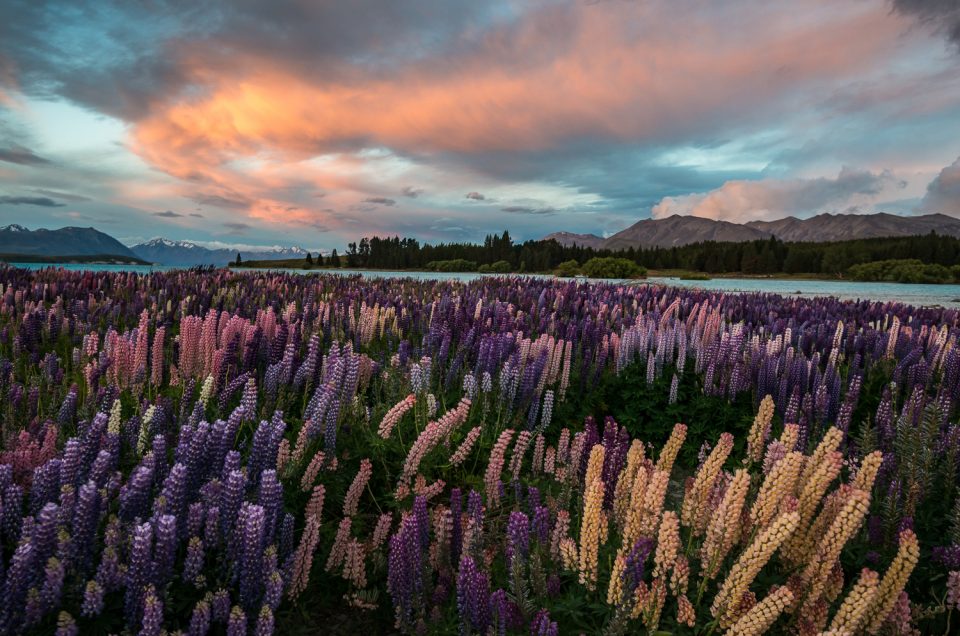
<point x="612" y="267"/>
<point x="500" y="267"/>
<point x="453" y="265"/>
<point x="902" y="271"/>
<point x="567" y="268"/>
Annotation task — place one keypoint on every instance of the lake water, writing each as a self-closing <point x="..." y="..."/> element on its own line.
<point x="944" y="295"/>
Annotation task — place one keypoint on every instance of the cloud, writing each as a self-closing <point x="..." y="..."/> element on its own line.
<point x="196" y="215"/>
<point x="522" y="209"/>
<point x="380" y="201"/>
<point x="237" y="228"/>
<point x="20" y="155"/>
<point x="476" y="196"/>
<point x="942" y="15"/>
<point x="741" y="201"/>
<point x="411" y="192"/>
<point x="169" y="214"/>
<point x="943" y="193"/>
<point x="44" y="202"/>
<point x="66" y="196"/>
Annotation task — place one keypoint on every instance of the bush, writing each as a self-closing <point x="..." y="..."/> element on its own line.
<point x="902" y="271"/>
<point x="567" y="268"/>
<point x="500" y="267"/>
<point x="453" y="265"/>
<point x="611" y="267"/>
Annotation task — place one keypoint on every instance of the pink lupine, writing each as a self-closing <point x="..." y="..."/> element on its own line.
<point x="394" y="415"/>
<point x="465" y="446"/>
<point x="352" y="498"/>
<point x="491" y="477"/>
<point x="303" y="560"/>
<point x="339" y="549"/>
<point x="381" y="531"/>
<point x="519" y="450"/>
<point x="156" y="355"/>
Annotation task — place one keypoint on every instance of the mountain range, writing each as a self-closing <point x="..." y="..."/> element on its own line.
<point x="677" y="230"/>
<point x="67" y="241"/>
<point x="87" y="242"/>
<point x="184" y="253"/>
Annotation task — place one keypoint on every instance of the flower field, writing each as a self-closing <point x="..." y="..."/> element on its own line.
<point x="204" y="451"/>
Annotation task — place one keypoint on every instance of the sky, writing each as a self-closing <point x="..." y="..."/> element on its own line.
<point x="317" y="122"/>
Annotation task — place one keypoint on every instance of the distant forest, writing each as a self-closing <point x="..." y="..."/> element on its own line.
<point x="771" y="256"/>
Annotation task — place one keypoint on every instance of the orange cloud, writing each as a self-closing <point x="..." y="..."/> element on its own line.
<point x="622" y="71"/>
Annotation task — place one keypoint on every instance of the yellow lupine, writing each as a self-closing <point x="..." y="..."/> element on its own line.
<point x="693" y="513"/>
<point x="621" y="493"/>
<point x="669" y="452"/>
<point x="595" y="463"/>
<point x="830" y="442"/>
<point x="745" y="570"/>
<point x="668" y="544"/>
<point x="811" y="494"/>
<point x="790" y="436"/>
<point x="760" y="430"/>
<point x="725" y="525"/>
<point x="590" y="532"/>
<point x="653" y="503"/>
<point x="781" y="482"/>
<point x="844" y="527"/>
<point x="858" y="601"/>
<point x="867" y="474"/>
<point x="894" y="580"/>
<point x="634" y="514"/>
<point x="762" y="615"/>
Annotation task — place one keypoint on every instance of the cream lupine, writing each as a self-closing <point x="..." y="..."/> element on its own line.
<point x="621" y="497"/>
<point x="780" y="483"/>
<point x="694" y="511"/>
<point x="854" y="608"/>
<point x="844" y="526"/>
<point x="653" y="497"/>
<point x="668" y="544"/>
<point x="590" y="532"/>
<point x="751" y="561"/>
<point x="830" y="442"/>
<point x="760" y="430"/>
<point x="725" y="525"/>
<point x="894" y="580"/>
<point x="867" y="474"/>
<point x="670" y="450"/>
<point x="595" y="464"/>
<point x="811" y="495"/>
<point x="762" y="615"/>
<point x="790" y="436"/>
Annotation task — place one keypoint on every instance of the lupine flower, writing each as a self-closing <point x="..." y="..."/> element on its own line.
<point x="356" y="488"/>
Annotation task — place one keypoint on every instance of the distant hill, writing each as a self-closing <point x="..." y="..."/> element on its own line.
<point x="842" y="227"/>
<point x="185" y="253"/>
<point x="67" y="241"/>
<point x="679" y="230"/>
<point x="569" y="239"/>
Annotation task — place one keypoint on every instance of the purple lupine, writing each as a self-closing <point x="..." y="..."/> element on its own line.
<point x="541" y="625"/>
<point x="473" y="597"/>
<point x="518" y="538"/>
<point x="139" y="570"/>
<point x="456" y="530"/>
<point x="237" y="623"/>
<point x="152" y="624"/>
<point x="250" y="526"/>
<point x="200" y="619"/>
<point x="92" y="599"/>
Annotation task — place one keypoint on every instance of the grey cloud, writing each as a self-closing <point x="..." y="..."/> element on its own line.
<point x="66" y="196"/>
<point x="44" y="202"/>
<point x="20" y="155"/>
<point x="942" y="15"/>
<point x="476" y="196"/>
<point x="196" y="215"/>
<point x="236" y="228"/>
<point x="522" y="209"/>
<point x="943" y="193"/>
<point x="412" y="192"/>
<point x="380" y="201"/>
<point x="168" y="214"/>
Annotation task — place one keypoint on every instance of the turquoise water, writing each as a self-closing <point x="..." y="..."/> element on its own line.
<point x="944" y="295"/>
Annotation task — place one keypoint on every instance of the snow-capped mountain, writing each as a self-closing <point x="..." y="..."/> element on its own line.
<point x="168" y="252"/>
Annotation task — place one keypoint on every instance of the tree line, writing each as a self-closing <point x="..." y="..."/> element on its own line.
<point x="770" y="256"/>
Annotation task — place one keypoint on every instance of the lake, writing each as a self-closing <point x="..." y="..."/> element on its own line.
<point x="912" y="294"/>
